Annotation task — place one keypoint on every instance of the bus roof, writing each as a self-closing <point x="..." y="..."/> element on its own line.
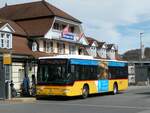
<point x="68" y="57"/>
<point x="76" y="57"/>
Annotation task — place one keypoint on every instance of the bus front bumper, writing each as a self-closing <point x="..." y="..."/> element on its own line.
<point x="53" y="91"/>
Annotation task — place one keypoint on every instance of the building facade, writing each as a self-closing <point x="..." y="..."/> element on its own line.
<point x="47" y="31"/>
<point x="5" y="53"/>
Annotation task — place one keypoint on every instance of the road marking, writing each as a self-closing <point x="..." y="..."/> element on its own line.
<point x="102" y="106"/>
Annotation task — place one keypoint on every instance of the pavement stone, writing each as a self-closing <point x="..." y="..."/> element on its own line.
<point x="18" y="100"/>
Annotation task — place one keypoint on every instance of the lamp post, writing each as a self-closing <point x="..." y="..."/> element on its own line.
<point x="141" y="47"/>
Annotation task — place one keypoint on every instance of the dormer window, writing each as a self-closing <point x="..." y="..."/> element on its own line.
<point x="5" y="40"/>
<point x="2" y="40"/>
<point x="34" y="46"/>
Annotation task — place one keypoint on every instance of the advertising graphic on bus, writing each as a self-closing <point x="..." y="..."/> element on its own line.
<point x="68" y="75"/>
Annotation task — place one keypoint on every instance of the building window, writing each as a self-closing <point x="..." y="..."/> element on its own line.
<point x="61" y="48"/>
<point x="5" y="40"/>
<point x="2" y="40"/>
<point x="62" y="27"/>
<point x="34" y="46"/>
<point x="56" y="26"/>
<point x="72" y="29"/>
<point x="49" y="46"/>
<point x="72" y="49"/>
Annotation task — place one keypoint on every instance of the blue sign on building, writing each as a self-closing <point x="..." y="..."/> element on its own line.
<point x="68" y="36"/>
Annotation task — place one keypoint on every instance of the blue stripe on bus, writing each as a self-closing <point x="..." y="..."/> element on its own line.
<point x="84" y="62"/>
<point x="96" y="62"/>
<point x="117" y="64"/>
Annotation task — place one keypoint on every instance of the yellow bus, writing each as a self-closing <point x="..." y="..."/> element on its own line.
<point x="74" y="75"/>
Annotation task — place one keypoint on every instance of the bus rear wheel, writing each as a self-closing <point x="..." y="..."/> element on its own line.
<point x="85" y="91"/>
<point x="115" y="89"/>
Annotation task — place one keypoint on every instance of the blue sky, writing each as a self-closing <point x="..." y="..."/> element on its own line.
<point x="112" y="21"/>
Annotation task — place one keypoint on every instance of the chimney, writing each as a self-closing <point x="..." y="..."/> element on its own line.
<point x="6" y="4"/>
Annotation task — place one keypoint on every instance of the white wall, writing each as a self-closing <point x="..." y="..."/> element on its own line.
<point x="102" y="52"/>
<point x="18" y="74"/>
<point x="111" y="54"/>
<point x="41" y="45"/>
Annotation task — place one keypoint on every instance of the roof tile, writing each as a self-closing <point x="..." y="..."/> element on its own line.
<point x="33" y="10"/>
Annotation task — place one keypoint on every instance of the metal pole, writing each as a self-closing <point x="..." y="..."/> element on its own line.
<point x="141" y="48"/>
<point x="10" y="75"/>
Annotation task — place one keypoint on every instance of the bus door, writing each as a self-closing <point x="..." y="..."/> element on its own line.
<point x="103" y="86"/>
<point x="103" y="82"/>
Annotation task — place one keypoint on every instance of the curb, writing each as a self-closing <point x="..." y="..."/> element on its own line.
<point x="137" y="87"/>
<point x="24" y="99"/>
<point x="18" y="100"/>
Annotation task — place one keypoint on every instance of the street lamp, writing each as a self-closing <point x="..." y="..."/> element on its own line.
<point x="141" y="47"/>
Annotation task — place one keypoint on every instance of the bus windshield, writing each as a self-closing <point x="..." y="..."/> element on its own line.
<point x="53" y="71"/>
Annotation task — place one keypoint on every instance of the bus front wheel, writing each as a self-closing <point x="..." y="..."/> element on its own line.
<point x="85" y="91"/>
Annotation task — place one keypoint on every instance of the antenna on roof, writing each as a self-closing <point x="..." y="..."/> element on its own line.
<point x="6" y="4"/>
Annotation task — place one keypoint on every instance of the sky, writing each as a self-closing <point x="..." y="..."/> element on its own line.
<point x="113" y="21"/>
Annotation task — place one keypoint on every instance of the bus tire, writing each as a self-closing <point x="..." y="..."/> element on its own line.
<point x="85" y="91"/>
<point x="115" y="89"/>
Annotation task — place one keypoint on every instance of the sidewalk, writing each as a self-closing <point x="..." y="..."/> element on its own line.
<point x="18" y="100"/>
<point x="138" y="87"/>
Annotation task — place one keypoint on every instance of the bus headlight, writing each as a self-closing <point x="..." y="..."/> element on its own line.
<point x="66" y="90"/>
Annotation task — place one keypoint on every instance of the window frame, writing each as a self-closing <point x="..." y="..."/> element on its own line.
<point x="5" y="40"/>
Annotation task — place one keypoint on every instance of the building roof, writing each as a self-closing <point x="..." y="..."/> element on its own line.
<point x="91" y="40"/>
<point x="38" y="54"/>
<point x="18" y="30"/>
<point x="23" y="48"/>
<point x="20" y="48"/>
<point x="100" y="44"/>
<point x="36" y="27"/>
<point x="68" y="57"/>
<point x="109" y="46"/>
<point x="4" y="50"/>
<point x="33" y="10"/>
<point x="2" y="23"/>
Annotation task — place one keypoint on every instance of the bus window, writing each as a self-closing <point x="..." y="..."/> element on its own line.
<point x="118" y="72"/>
<point x="43" y="75"/>
<point x="72" y="68"/>
<point x="55" y="72"/>
<point x="103" y="73"/>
